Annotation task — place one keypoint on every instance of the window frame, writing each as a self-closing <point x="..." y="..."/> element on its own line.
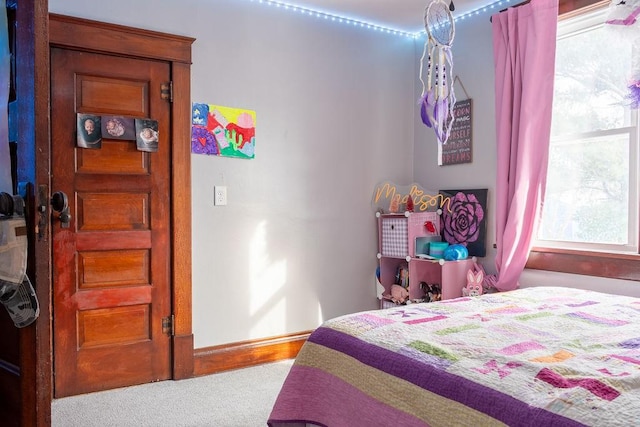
<point x="612" y="265"/>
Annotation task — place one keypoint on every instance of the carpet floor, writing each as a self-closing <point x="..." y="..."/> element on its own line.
<point x="240" y="398"/>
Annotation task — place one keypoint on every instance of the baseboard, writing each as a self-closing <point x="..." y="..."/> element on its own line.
<point x="243" y="354"/>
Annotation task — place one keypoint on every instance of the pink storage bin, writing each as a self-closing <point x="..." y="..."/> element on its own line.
<point x="393" y="236"/>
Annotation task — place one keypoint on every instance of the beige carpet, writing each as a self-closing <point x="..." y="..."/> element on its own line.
<point x="241" y="398"/>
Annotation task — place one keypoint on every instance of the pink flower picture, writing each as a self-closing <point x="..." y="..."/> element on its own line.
<point x="464" y="219"/>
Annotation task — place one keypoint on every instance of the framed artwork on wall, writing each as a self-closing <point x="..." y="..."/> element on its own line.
<point x="464" y="219"/>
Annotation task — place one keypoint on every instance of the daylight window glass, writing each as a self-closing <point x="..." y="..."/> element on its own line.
<point x="591" y="193"/>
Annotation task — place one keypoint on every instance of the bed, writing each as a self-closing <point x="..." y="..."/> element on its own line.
<point x="538" y="356"/>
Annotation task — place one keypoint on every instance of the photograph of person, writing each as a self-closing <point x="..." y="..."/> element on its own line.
<point x="88" y="131"/>
<point x="118" y="127"/>
<point x="147" y="135"/>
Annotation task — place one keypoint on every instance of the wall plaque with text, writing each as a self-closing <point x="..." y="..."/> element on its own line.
<point x="458" y="148"/>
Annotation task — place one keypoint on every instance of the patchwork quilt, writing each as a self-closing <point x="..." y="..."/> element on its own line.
<point x="538" y="356"/>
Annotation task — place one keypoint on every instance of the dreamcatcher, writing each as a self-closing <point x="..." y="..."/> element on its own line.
<point x="438" y="98"/>
<point x="623" y="16"/>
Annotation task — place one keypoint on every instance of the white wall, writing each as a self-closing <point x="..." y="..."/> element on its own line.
<point x="297" y="242"/>
<point x="473" y="64"/>
<point x="336" y="114"/>
<point x="532" y="278"/>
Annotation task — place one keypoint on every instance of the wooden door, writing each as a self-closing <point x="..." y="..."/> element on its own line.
<point x="111" y="264"/>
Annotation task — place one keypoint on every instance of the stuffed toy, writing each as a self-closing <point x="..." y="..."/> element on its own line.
<point x="475" y="277"/>
<point x="399" y="294"/>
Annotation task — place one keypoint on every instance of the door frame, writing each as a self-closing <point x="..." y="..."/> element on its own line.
<point x="93" y="36"/>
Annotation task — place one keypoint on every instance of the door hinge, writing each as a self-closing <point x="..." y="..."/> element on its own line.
<point x="166" y="91"/>
<point x="168" y="325"/>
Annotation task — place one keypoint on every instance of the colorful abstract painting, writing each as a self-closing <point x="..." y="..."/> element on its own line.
<point x="223" y="131"/>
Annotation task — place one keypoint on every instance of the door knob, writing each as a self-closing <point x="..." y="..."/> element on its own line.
<point x="60" y="204"/>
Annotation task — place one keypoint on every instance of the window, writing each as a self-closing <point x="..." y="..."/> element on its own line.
<point x="591" y="200"/>
<point x="591" y="229"/>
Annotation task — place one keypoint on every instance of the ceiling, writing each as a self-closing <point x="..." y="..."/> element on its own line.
<point x="402" y="15"/>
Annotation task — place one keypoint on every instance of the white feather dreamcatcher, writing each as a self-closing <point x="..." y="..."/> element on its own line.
<point x="438" y="97"/>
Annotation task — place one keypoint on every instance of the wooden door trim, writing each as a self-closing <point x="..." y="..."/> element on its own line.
<point x="33" y="89"/>
<point x="93" y="36"/>
<point x="88" y="35"/>
<point x="181" y="221"/>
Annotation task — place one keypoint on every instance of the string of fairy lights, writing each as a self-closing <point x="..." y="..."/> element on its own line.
<point x="370" y="26"/>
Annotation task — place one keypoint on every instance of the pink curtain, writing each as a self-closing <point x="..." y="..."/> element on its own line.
<point x="524" y="46"/>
